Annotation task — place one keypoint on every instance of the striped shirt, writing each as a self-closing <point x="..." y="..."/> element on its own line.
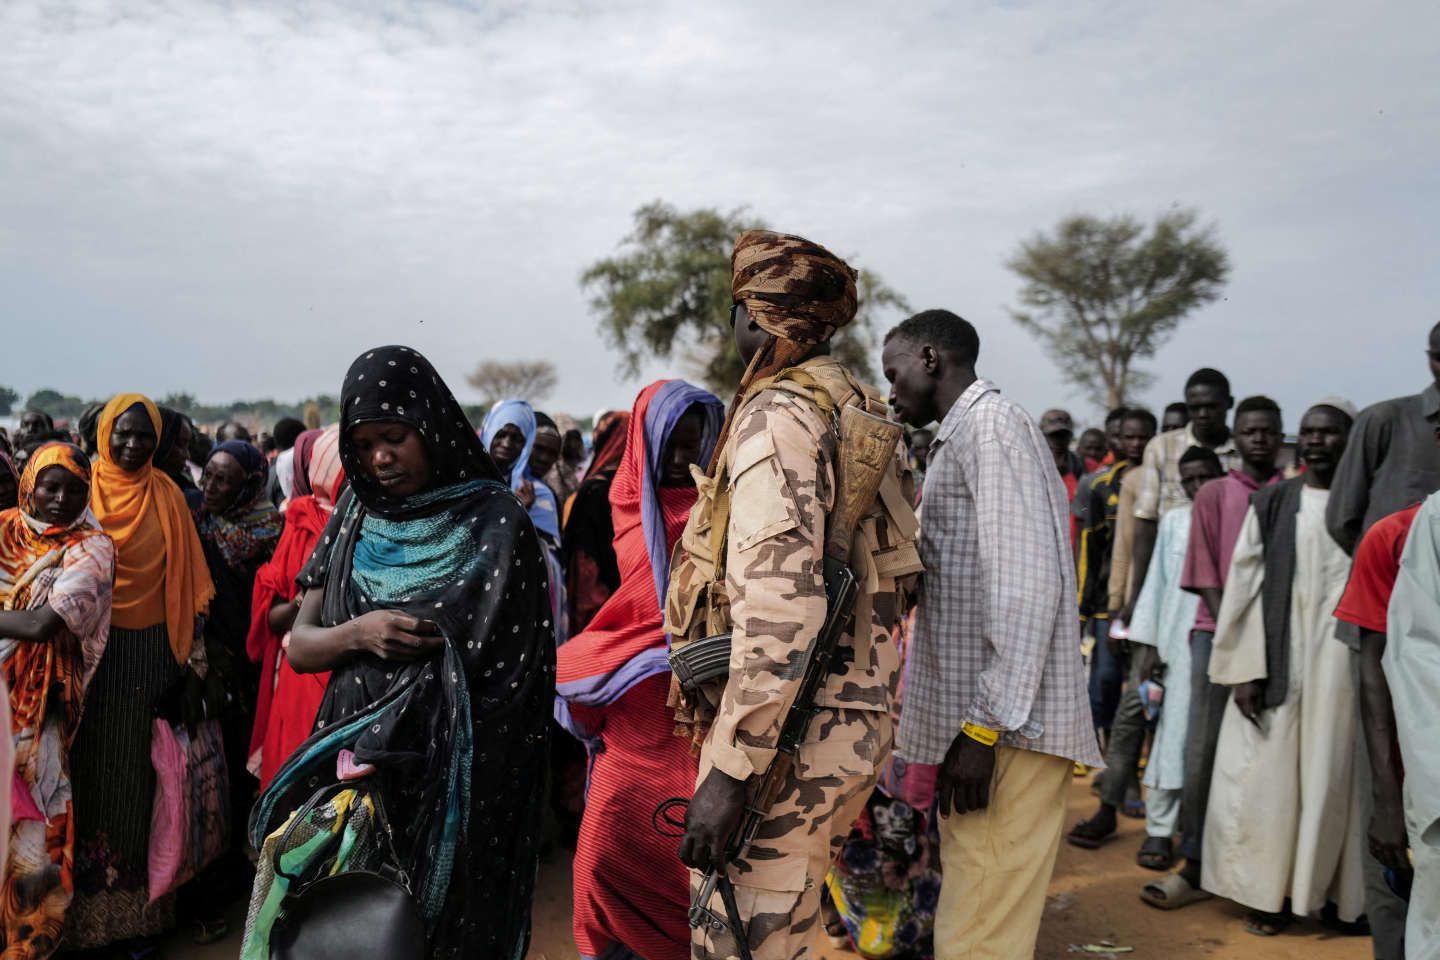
<point x="996" y="638"/>
<point x="1160" y="490"/>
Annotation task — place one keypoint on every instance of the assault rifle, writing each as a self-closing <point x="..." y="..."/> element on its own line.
<point x="866" y="451"/>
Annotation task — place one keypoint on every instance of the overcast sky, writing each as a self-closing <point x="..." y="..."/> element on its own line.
<point x="233" y="199"/>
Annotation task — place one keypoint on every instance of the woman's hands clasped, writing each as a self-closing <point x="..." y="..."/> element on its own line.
<point x="392" y="635"/>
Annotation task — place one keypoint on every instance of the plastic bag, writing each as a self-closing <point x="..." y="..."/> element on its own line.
<point x="190" y="815"/>
<point x="170" y="814"/>
<point x="209" y="782"/>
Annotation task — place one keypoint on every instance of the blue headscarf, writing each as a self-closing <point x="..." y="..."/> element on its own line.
<point x="671" y="402"/>
<point x="544" y="512"/>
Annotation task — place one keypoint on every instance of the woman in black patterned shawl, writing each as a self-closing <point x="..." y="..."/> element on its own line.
<point x="427" y="598"/>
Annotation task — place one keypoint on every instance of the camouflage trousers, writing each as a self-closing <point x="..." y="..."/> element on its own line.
<point x="778" y="882"/>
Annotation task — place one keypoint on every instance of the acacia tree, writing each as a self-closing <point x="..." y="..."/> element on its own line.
<point x="531" y="380"/>
<point x="1102" y="294"/>
<point x="668" y="291"/>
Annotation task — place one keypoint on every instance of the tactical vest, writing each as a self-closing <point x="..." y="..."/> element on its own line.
<point x="884" y="555"/>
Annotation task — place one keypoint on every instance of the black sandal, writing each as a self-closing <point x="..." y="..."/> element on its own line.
<point x="1267" y="924"/>
<point x="1156" y="853"/>
<point x="1089" y="835"/>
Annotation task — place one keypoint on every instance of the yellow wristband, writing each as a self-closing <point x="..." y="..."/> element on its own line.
<point x="980" y="734"/>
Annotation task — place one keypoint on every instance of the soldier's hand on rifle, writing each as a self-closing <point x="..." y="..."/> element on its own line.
<point x="965" y="775"/>
<point x="711" y="819"/>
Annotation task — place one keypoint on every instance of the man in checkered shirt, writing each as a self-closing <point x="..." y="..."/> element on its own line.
<point x="995" y="687"/>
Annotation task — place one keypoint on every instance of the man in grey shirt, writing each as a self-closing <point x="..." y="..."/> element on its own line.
<point x="1391" y="462"/>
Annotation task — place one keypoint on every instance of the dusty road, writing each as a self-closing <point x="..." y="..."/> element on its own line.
<point x="1093" y="898"/>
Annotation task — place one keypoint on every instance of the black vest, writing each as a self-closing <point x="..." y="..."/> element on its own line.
<point x="1276" y="507"/>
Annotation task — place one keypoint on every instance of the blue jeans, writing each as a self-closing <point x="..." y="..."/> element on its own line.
<point x="1107" y="676"/>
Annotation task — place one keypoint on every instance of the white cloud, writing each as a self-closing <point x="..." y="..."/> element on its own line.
<point x="237" y="198"/>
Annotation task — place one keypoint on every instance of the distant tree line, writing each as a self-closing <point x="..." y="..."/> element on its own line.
<point x="257" y="413"/>
<point x="65" y="406"/>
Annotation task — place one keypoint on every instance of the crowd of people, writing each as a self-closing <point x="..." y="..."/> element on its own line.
<point x="425" y="649"/>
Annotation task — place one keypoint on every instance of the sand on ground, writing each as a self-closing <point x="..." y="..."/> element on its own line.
<point x="1093" y="899"/>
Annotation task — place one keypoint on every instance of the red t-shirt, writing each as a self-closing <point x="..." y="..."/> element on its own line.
<point x="1377" y="564"/>
<point x="1072" y="483"/>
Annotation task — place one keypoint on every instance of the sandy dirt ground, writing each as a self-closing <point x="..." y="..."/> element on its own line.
<point x="1093" y="899"/>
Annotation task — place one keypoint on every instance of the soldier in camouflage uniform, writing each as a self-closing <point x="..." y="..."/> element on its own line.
<point x="776" y="462"/>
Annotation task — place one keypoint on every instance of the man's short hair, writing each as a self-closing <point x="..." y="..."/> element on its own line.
<point x="1202" y="455"/>
<point x="1259" y="404"/>
<point x="1119" y="413"/>
<point x="1209" y="377"/>
<point x="1178" y="407"/>
<point x="943" y="329"/>
<point x="1144" y="416"/>
<point x="287" y="430"/>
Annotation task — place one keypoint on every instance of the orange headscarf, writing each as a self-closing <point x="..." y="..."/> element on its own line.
<point x="160" y="572"/>
<point x="29" y="544"/>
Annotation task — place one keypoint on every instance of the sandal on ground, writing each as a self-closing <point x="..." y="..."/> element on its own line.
<point x="1267" y="924"/>
<point x="1089" y="835"/>
<point x="1171" y="892"/>
<point x="211" y="931"/>
<point x="1156" y="853"/>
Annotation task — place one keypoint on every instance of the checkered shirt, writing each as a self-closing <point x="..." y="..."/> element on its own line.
<point x="996" y="638"/>
<point x="1160" y="490"/>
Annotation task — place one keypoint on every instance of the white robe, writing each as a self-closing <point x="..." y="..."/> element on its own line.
<point x="1284" y="816"/>
<point x="1412" y="669"/>
<point x="1164" y="616"/>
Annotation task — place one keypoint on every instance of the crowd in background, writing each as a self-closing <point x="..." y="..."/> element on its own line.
<point x="1234" y="586"/>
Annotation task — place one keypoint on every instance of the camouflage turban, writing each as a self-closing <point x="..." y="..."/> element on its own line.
<point x="794" y="289"/>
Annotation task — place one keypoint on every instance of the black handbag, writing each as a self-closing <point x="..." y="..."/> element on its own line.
<point x="355" y="915"/>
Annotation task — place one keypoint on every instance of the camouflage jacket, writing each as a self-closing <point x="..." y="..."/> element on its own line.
<point x="779" y="461"/>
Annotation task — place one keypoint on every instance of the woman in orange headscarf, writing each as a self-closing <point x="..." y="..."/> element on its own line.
<point x="161" y="586"/>
<point x="56" y="572"/>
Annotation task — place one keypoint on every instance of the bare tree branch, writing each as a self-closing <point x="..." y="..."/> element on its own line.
<point x="532" y="380"/>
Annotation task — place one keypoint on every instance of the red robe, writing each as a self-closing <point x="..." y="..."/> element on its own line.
<point x="288" y="702"/>
<point x="630" y="886"/>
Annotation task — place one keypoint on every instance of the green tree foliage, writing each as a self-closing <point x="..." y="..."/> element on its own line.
<point x="668" y="291"/>
<point x="60" y="406"/>
<point x="8" y="396"/>
<point x="1102" y="294"/>
<point x="261" y="412"/>
<point x="532" y="380"/>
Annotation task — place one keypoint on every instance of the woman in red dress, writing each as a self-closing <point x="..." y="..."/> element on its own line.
<point x="285" y="713"/>
<point x="612" y="681"/>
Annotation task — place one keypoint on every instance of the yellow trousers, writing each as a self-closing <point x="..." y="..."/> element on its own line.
<point x="998" y="860"/>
